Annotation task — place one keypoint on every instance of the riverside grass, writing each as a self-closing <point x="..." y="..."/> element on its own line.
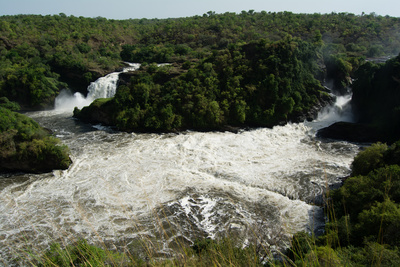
<point x="304" y="250"/>
<point x="69" y="250"/>
<point x="66" y="249"/>
<point x="143" y="252"/>
<point x="333" y="248"/>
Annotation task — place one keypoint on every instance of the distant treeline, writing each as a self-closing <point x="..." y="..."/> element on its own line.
<point x="39" y="55"/>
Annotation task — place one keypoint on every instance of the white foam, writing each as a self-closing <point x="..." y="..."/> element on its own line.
<point x="119" y="180"/>
<point x="104" y="87"/>
<point x="339" y="111"/>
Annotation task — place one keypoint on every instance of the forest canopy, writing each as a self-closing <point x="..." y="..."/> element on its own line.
<point x="256" y="84"/>
<point x="40" y="55"/>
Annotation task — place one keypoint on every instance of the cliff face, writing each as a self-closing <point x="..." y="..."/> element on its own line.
<point x="375" y="104"/>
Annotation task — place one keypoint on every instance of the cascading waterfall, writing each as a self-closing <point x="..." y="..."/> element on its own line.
<point x="125" y="188"/>
<point x="104" y="87"/>
<point x="339" y="111"/>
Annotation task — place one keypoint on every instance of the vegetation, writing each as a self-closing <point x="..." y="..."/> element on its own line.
<point x="257" y="84"/>
<point x="363" y="216"/>
<point x="25" y="146"/>
<point x="376" y="97"/>
<point x="39" y="54"/>
<point x="203" y="253"/>
<point x="80" y="254"/>
<point x="256" y="69"/>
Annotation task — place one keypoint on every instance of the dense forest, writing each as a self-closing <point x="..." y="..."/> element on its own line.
<point x="376" y="96"/>
<point x="25" y="145"/>
<point x="258" y="84"/>
<point x="236" y="70"/>
<point x="39" y="55"/>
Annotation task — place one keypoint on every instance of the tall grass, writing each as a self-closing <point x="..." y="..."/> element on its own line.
<point x="67" y="249"/>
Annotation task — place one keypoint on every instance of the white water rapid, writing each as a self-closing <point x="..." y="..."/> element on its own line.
<point x="127" y="189"/>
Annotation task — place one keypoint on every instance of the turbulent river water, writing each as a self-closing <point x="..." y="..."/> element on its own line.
<point x="125" y="189"/>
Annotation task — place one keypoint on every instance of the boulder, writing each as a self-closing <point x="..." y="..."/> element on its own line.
<point x="98" y="112"/>
<point x="352" y="132"/>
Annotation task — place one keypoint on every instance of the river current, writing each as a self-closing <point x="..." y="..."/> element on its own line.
<point x="124" y="189"/>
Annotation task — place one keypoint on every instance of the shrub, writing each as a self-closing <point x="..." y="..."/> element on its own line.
<point x="5" y="103"/>
<point x="26" y="146"/>
<point x="80" y="254"/>
<point x="369" y="159"/>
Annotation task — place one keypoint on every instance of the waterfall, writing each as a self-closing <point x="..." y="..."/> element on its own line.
<point x="340" y="110"/>
<point x="104" y="87"/>
<point x="260" y="185"/>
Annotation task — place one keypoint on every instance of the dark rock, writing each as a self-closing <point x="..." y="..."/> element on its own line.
<point x="352" y="132"/>
<point x="32" y="165"/>
<point x="98" y="112"/>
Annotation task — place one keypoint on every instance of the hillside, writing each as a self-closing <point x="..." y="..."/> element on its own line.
<point x="40" y="55"/>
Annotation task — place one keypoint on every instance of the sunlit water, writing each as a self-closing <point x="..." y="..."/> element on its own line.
<point x="170" y="188"/>
<point x="103" y="87"/>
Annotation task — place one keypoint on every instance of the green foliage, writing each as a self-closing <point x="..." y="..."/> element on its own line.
<point x="376" y="96"/>
<point x="83" y="48"/>
<point x="372" y="254"/>
<point x="27" y="129"/>
<point x="5" y="103"/>
<point x="321" y="256"/>
<point x="224" y="253"/>
<point x="369" y="159"/>
<point x="38" y="52"/>
<point x="26" y="146"/>
<point x="339" y="70"/>
<point x="361" y="192"/>
<point x="258" y="84"/>
<point x="301" y="244"/>
<point x="381" y="222"/>
<point x="363" y="216"/>
<point x="256" y="69"/>
<point x="80" y="254"/>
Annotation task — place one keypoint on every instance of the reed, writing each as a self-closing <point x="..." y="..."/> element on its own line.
<point x="67" y="249"/>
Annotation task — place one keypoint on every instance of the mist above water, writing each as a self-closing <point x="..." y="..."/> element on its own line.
<point x="104" y="87"/>
<point x="339" y="111"/>
<point x="123" y="186"/>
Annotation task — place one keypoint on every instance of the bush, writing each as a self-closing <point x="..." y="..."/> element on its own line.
<point x="361" y="192"/>
<point x="80" y="254"/>
<point x="224" y="253"/>
<point x="5" y="103"/>
<point x="381" y="222"/>
<point x="369" y="159"/>
<point x="25" y="146"/>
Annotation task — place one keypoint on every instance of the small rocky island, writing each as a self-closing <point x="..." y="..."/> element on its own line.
<point x="25" y="146"/>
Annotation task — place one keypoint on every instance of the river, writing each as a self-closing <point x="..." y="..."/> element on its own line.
<point x="124" y="190"/>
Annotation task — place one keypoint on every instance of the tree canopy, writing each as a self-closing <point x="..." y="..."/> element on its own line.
<point x="40" y="54"/>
